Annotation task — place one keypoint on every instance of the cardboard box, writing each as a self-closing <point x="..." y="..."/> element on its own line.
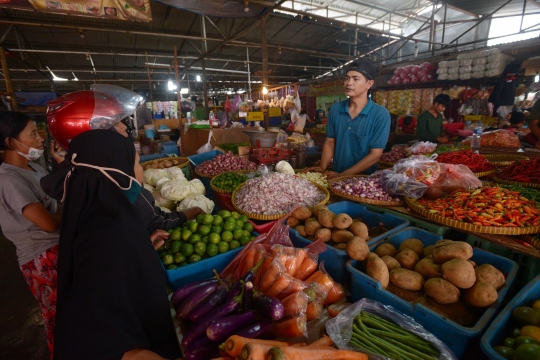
<point x="244" y="150"/>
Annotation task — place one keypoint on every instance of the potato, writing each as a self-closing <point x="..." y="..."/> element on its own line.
<point x="293" y="222"/>
<point x="301" y="230"/>
<point x="459" y="272"/>
<point x="357" y="248"/>
<point x="457" y="249"/>
<point x="407" y="279"/>
<point x="482" y="294"/>
<point x="324" y="234"/>
<point x="326" y="218"/>
<point x="428" y="269"/>
<point x="342" y="221"/>
<point x="341" y="236"/>
<point x="391" y="263"/>
<point x="444" y="242"/>
<point x="428" y="250"/>
<point x="407" y="259"/>
<point x="311" y="227"/>
<point x="376" y="268"/>
<point x="302" y="213"/>
<point x="310" y="219"/>
<point x="414" y="244"/>
<point x="318" y="208"/>
<point x="472" y="263"/>
<point x="386" y="249"/>
<point x="358" y="228"/>
<point x="441" y="291"/>
<point x="490" y="274"/>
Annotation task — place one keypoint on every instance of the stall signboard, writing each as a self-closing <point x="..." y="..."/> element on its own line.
<point x="255" y="116"/>
<point x="274" y="111"/>
<point x="138" y="10"/>
<point x="334" y="87"/>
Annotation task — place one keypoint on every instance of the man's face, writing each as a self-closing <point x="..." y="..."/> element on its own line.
<point x="439" y="107"/>
<point x="356" y="84"/>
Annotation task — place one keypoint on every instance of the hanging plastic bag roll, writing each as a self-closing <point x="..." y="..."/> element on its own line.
<point x="206" y="147"/>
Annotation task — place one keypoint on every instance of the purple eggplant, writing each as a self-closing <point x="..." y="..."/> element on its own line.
<point x="268" y="306"/>
<point x="249" y="276"/>
<point x="183" y="292"/>
<point x="257" y="330"/>
<point x="198" y="329"/>
<point x="195" y="299"/>
<point x="210" y="302"/>
<point x="201" y="349"/>
<point x="248" y="296"/>
<point x="221" y="329"/>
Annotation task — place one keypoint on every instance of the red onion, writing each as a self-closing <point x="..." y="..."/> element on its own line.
<point x="223" y="163"/>
<point x="397" y="152"/>
<point x="369" y="188"/>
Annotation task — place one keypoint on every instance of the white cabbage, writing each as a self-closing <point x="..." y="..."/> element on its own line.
<point x="175" y="173"/>
<point x="178" y="190"/>
<point x="161" y="182"/>
<point x="198" y="187"/>
<point x="148" y="187"/>
<point x="151" y="176"/>
<point x="284" y="167"/>
<point x="165" y="210"/>
<point x="160" y="201"/>
<point x="201" y="201"/>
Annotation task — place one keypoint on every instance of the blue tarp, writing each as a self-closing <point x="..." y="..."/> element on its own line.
<point x="35" y="98"/>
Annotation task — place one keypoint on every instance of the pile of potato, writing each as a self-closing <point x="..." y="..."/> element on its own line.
<point x="340" y="231"/>
<point x="443" y="271"/>
<point x="164" y="163"/>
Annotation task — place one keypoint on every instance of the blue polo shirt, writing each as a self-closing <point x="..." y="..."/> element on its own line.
<point x="355" y="137"/>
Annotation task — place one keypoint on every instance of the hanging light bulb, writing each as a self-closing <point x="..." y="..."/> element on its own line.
<point x="305" y="68"/>
<point x="246" y="8"/>
<point x="279" y="51"/>
<point x="265" y="90"/>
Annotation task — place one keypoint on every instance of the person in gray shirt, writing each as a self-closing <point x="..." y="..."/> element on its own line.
<point x="28" y="217"/>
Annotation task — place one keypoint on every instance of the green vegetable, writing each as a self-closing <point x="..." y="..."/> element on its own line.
<point x="228" y="181"/>
<point x="505" y="352"/>
<point x="233" y="147"/>
<point x="443" y="149"/>
<point x="524" y="315"/>
<point x="529" y="193"/>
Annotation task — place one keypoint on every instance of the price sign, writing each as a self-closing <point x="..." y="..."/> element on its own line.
<point x="255" y="116"/>
<point x="273" y="112"/>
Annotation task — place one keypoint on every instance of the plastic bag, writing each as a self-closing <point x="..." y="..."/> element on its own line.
<point x="186" y="105"/>
<point x="498" y="138"/>
<point x="227" y="106"/>
<point x="422" y="148"/>
<point x="400" y="184"/>
<point x="453" y="177"/>
<point x="298" y="120"/>
<point x="297" y="103"/>
<point x="419" y="168"/>
<point x="340" y="327"/>
<point x="206" y="147"/>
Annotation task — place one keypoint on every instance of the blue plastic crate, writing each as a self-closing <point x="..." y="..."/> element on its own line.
<point x="312" y="149"/>
<point x="198" y="159"/>
<point x="335" y="259"/>
<point x="499" y="328"/>
<point x="455" y="336"/>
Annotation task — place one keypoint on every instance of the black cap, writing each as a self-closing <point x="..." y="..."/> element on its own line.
<point x="364" y="67"/>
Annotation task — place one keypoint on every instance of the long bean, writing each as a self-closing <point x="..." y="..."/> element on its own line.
<point x="369" y="345"/>
<point x="387" y="330"/>
<point x="388" y="324"/>
<point x="384" y="344"/>
<point x="411" y="350"/>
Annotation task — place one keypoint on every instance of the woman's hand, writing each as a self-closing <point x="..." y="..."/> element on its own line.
<point x="158" y="238"/>
<point x="331" y="175"/>
<point x="56" y="151"/>
<point x="193" y="212"/>
<point x="313" y="169"/>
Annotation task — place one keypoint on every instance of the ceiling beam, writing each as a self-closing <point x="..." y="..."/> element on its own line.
<point x="462" y="11"/>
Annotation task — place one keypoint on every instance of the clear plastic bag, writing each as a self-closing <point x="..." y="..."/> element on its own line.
<point x="453" y="177"/>
<point x="441" y="70"/>
<point x="400" y="184"/>
<point x="419" y="168"/>
<point x="497" y="138"/>
<point x="206" y="147"/>
<point x="453" y="70"/>
<point x="480" y="61"/>
<point x="466" y="62"/>
<point x="422" y="148"/>
<point x="340" y="327"/>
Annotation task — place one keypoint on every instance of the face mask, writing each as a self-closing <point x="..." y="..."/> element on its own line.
<point x="33" y="153"/>
<point x="132" y="191"/>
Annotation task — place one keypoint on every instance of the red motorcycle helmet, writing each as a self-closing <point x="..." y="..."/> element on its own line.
<point x="80" y="111"/>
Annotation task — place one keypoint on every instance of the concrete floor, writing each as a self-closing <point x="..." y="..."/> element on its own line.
<point x="22" y="336"/>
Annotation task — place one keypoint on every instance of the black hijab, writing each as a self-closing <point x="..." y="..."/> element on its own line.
<point x="111" y="286"/>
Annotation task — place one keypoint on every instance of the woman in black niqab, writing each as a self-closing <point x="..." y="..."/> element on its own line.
<point x="112" y="296"/>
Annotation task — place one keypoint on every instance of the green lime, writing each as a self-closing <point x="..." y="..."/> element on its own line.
<point x="218" y="220"/>
<point x="244" y="218"/>
<point x="235" y="215"/>
<point x="214" y="238"/>
<point x="178" y="228"/>
<point x="238" y="234"/>
<point x="216" y="229"/>
<point x="194" y="258"/>
<point x="240" y="224"/>
<point x="179" y="258"/>
<point x="229" y="226"/>
<point x="204" y="239"/>
<point x="246" y="233"/>
<point x="186" y="233"/>
<point x="516" y="332"/>
<point x="245" y="240"/>
<point x="194" y="238"/>
<point x="168" y="259"/>
<point x="183" y="264"/>
<point x="187" y="249"/>
<point x="223" y="246"/>
<point x="520" y="340"/>
<point x="224" y="214"/>
<point x="227" y="236"/>
<point x="212" y="250"/>
<point x="192" y="226"/>
<point x="230" y="219"/>
<point x="234" y="244"/>
<point x="509" y="342"/>
<point x="175" y="246"/>
<point x="248" y="227"/>
<point x="200" y="219"/>
<point x="172" y="267"/>
<point x="166" y="246"/>
<point x="203" y="230"/>
<point x="199" y="248"/>
<point x="161" y="252"/>
<point x="170" y="231"/>
<point x="208" y="219"/>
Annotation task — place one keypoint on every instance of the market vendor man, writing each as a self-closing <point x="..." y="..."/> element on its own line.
<point x="430" y="122"/>
<point x="357" y="128"/>
<point x="533" y="137"/>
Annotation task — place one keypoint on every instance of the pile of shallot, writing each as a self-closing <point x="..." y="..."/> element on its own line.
<point x="277" y="194"/>
<point x="223" y="163"/>
<point x="368" y="187"/>
<point x="398" y="152"/>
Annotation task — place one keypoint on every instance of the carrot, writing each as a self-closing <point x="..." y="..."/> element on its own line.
<point x="281" y="283"/>
<point x="326" y="281"/>
<point x="294" y="287"/>
<point x="298" y="345"/>
<point x="248" y="261"/>
<point x="324" y="341"/>
<point x="314" y="310"/>
<point x="274" y="270"/>
<point x="294" y="261"/>
<point x="314" y="276"/>
<point x="235" y="343"/>
<point x="295" y="304"/>
<point x="262" y="271"/>
<point x="259" y="255"/>
<point x="332" y="312"/>
<point x="305" y="270"/>
<point x="254" y="351"/>
<point x="335" y="294"/>
<point x="293" y="327"/>
<point x="319" y="353"/>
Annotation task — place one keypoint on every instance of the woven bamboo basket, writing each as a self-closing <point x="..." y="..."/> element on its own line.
<point x="221" y="191"/>
<point x="274" y="216"/>
<point x="182" y="161"/>
<point x="508" y="182"/>
<point x="358" y="198"/>
<point x="503" y="159"/>
<point x="484" y="173"/>
<point x="386" y="163"/>
<point x="496" y="230"/>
